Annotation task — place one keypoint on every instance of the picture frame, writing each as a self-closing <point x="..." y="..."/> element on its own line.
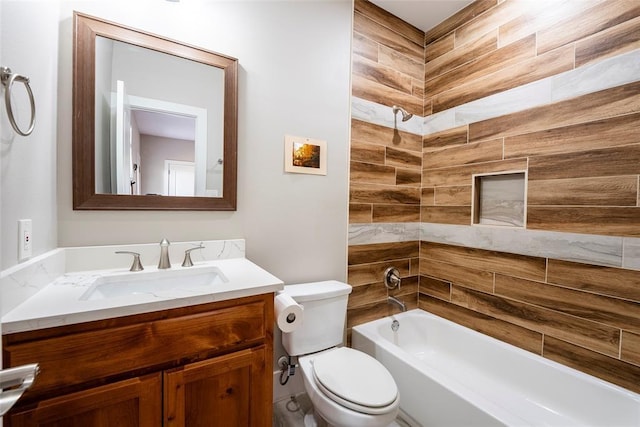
<point x="305" y="155"/>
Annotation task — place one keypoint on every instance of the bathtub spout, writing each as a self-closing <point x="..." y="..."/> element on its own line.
<point x="394" y="300"/>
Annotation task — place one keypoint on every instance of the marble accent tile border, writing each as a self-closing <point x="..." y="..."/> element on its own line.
<point x="608" y="251"/>
<point x="615" y="71"/>
<point x="523" y="97"/>
<point x="586" y="248"/>
<point x="589" y="78"/>
<point x="382" y="115"/>
<point x="370" y="233"/>
<point x="631" y="253"/>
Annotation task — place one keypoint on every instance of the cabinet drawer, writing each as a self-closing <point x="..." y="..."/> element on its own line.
<point x="82" y="357"/>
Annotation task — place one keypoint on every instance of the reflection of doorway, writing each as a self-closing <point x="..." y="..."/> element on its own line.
<point x="180" y="177"/>
<point x="162" y="121"/>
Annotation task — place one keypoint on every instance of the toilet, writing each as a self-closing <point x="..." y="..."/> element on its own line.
<point x="346" y="387"/>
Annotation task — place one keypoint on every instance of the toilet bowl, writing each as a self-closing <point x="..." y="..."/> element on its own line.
<point x="349" y="388"/>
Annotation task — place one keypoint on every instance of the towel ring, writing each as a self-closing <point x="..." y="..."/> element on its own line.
<point x="7" y="78"/>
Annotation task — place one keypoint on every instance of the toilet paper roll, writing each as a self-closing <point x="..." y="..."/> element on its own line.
<point x="288" y="313"/>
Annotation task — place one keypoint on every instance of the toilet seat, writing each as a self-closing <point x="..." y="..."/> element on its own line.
<point x="355" y="380"/>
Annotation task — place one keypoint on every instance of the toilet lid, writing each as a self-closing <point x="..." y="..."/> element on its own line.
<point x="355" y="377"/>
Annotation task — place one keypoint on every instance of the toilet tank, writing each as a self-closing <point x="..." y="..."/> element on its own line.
<point x="325" y="312"/>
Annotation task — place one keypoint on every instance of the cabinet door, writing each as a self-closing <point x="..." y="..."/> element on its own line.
<point x="131" y="403"/>
<point x="230" y="390"/>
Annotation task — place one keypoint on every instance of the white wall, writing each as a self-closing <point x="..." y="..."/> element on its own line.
<point x="294" y="60"/>
<point x="29" y="39"/>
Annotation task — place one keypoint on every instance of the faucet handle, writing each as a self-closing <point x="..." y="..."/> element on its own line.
<point x="137" y="265"/>
<point x="392" y="278"/>
<point x="187" y="256"/>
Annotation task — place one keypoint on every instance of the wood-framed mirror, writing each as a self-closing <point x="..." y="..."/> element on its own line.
<point x="154" y="121"/>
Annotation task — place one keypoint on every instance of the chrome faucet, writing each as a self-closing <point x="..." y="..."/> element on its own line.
<point x="394" y="300"/>
<point x="392" y="278"/>
<point x="164" y="262"/>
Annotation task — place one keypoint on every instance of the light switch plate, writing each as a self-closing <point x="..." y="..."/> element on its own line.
<point x="24" y="239"/>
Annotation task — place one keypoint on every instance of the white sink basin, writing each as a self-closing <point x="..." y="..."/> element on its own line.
<point x="161" y="283"/>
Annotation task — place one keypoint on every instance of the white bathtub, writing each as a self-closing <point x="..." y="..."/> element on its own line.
<point x="449" y="375"/>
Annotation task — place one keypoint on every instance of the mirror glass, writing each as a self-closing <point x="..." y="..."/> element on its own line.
<point x="162" y="126"/>
<point x="152" y="137"/>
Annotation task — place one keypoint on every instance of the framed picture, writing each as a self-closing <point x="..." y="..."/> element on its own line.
<point x="305" y="155"/>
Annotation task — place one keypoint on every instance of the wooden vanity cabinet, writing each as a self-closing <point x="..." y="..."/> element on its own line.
<point x="129" y="403"/>
<point x="204" y="365"/>
<point x="217" y="392"/>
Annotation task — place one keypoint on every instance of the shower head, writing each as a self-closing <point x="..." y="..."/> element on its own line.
<point x="405" y="115"/>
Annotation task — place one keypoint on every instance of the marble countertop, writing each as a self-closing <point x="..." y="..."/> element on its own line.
<point x="64" y="300"/>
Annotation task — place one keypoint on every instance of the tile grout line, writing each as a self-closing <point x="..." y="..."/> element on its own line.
<point x="620" y="345"/>
<point x="546" y="270"/>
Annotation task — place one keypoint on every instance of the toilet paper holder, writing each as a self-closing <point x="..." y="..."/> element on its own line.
<point x="288" y="313"/>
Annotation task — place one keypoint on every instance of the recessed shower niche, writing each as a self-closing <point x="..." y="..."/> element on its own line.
<point x="500" y="199"/>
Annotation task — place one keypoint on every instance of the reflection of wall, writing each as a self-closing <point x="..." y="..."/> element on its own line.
<point x="571" y="124"/>
<point x="154" y="151"/>
<point x="135" y="156"/>
<point x="174" y="80"/>
<point x="103" y="117"/>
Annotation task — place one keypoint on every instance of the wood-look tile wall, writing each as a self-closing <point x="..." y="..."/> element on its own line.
<point x="386" y="164"/>
<point x="367" y="263"/>
<point x="584" y="316"/>
<point x="388" y="59"/>
<point x="582" y="154"/>
<point x="582" y="157"/>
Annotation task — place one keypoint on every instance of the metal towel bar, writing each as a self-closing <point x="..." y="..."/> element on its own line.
<point x="7" y="78"/>
<point x="14" y="382"/>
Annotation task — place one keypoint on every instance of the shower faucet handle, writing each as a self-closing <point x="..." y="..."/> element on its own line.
<point x="392" y="278"/>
